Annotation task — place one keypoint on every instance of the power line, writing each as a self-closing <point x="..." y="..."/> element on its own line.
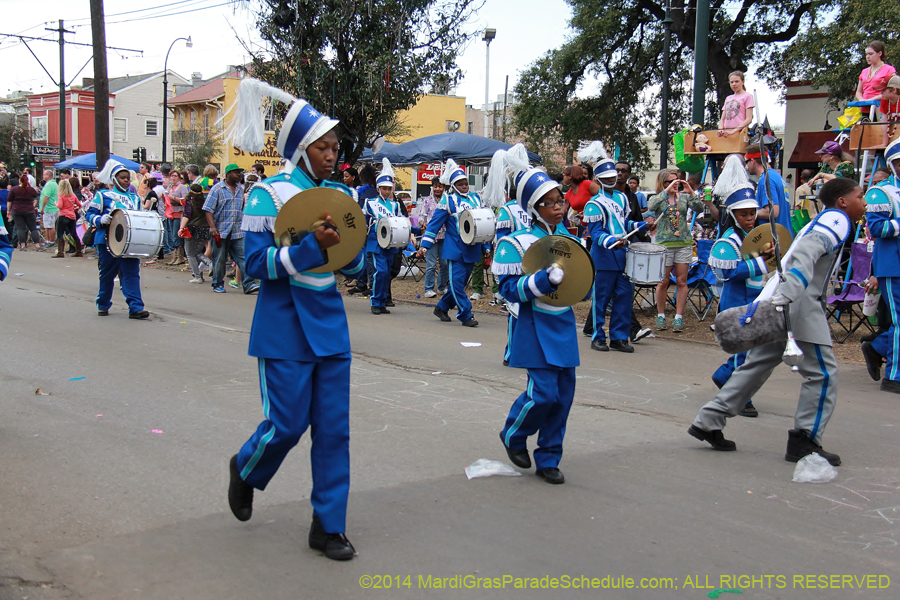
<point x="174" y="14"/>
<point x="130" y="12"/>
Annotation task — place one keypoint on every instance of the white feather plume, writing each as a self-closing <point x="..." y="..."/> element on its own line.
<point x="107" y="174"/>
<point x="386" y="168"/>
<point x="592" y="152"/>
<point x="504" y="164"/>
<point x="449" y="168"/>
<point x="733" y="177"/>
<point x="246" y="130"/>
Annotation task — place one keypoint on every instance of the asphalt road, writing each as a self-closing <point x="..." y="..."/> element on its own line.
<point x="113" y="484"/>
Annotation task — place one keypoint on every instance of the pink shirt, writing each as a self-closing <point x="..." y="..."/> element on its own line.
<point x="872" y="87"/>
<point x="735" y="109"/>
<point x="67" y="205"/>
<point x="890" y="110"/>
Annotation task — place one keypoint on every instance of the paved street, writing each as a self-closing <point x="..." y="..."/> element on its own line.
<point x="113" y="479"/>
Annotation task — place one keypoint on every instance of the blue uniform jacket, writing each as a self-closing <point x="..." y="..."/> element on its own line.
<point x="605" y="217"/>
<point x="6" y="251"/>
<point x="779" y="198"/>
<point x="743" y="278"/>
<point x="374" y="209"/>
<point x="883" y="218"/>
<point x="511" y="218"/>
<point x="447" y="214"/>
<point x="106" y="201"/>
<point x="299" y="315"/>
<point x="543" y="336"/>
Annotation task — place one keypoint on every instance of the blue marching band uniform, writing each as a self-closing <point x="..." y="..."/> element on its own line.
<point x="883" y="218"/>
<point x="461" y="257"/>
<point x="6" y="251"/>
<point x="606" y="218"/>
<point x="510" y="219"/>
<point x="128" y="270"/>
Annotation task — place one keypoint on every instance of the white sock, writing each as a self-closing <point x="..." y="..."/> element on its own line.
<point x="661" y="315"/>
<point x="677" y="316"/>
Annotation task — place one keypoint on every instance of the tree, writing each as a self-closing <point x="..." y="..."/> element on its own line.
<point x="199" y="148"/>
<point x="832" y="51"/>
<point x="361" y="61"/>
<point x="619" y="44"/>
<point x="13" y="141"/>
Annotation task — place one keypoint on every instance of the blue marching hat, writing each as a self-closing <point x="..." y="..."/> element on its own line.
<point x="734" y="186"/>
<point x="302" y="126"/>
<point x="452" y="173"/>
<point x="386" y="177"/>
<point x="605" y="168"/>
<point x="531" y="185"/>
<point x="595" y="154"/>
<point x="743" y="198"/>
<point x="892" y="152"/>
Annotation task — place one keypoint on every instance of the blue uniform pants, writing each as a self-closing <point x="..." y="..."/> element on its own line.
<point x="723" y="373"/>
<point x="129" y="272"/>
<point x="381" y="279"/>
<point x="612" y="287"/>
<point x="888" y="344"/>
<point x="296" y="396"/>
<point x="544" y="408"/>
<point x="456" y="293"/>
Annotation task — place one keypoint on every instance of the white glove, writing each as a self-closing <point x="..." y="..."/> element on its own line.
<point x="555" y="274"/>
<point x="779" y="300"/>
<point x="105" y="219"/>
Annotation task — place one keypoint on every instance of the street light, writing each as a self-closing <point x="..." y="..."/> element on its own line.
<point x="188" y="44"/>
<point x="489" y="35"/>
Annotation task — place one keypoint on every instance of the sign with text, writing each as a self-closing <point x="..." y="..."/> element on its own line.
<point x="39" y="151"/>
<point x="425" y="173"/>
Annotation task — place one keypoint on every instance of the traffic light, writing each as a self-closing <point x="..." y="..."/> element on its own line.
<point x="32" y="161"/>
<point x="143" y="154"/>
<point x="136" y="155"/>
<point x="23" y="159"/>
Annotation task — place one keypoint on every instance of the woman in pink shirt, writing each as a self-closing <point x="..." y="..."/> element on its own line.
<point x="67" y="203"/>
<point x="737" y="112"/>
<point x="875" y="77"/>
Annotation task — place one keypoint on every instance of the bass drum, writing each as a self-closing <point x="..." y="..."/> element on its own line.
<point x="134" y="234"/>
<point x="477" y="226"/>
<point x="393" y="232"/>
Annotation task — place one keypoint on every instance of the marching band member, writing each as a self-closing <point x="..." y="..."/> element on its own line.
<point x="606" y="218"/>
<point x="6" y="251"/>
<point x="383" y="205"/>
<point x="543" y="339"/>
<point x="99" y="214"/>
<point x="299" y="333"/>
<point x="460" y="257"/>
<point x="807" y="269"/>
<point x="883" y="217"/>
<point x="744" y="279"/>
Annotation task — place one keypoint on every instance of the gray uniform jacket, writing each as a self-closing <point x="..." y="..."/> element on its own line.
<point x="807" y="272"/>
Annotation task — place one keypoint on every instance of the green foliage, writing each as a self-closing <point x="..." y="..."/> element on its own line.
<point x="362" y="61"/>
<point x="200" y="149"/>
<point x="832" y="51"/>
<point x="13" y="141"/>
<point x="617" y="48"/>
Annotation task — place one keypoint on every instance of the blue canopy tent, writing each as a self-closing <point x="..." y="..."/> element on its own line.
<point x="366" y="156"/>
<point x="464" y="148"/>
<point x="88" y="162"/>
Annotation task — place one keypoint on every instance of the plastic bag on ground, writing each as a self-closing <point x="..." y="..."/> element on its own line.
<point x="485" y="468"/>
<point x="812" y="468"/>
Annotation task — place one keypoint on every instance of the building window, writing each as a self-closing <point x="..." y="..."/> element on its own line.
<point x="269" y="118"/>
<point x="181" y="119"/>
<point x="470" y="127"/>
<point x="193" y="119"/>
<point x="120" y="130"/>
<point x="39" y="128"/>
<point x="151" y="128"/>
<point x="218" y="119"/>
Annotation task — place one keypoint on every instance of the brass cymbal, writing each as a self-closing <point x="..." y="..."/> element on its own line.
<point x="760" y="239"/>
<point x="307" y="210"/>
<point x="569" y="255"/>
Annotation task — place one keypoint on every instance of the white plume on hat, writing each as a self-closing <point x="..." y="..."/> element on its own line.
<point x="246" y="130"/>
<point x="733" y="177"/>
<point x="108" y="173"/>
<point x="449" y="168"/>
<point x="504" y="164"/>
<point x="386" y="170"/>
<point x="591" y="152"/>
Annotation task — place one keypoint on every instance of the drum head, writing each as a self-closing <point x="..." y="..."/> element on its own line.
<point x="117" y="235"/>
<point x="572" y="258"/>
<point x="466" y="227"/>
<point x="305" y="211"/>
<point x="383" y="230"/>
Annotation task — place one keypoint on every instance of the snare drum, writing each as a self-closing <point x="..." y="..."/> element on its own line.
<point x="645" y="264"/>
<point x="134" y="234"/>
<point x="393" y="232"/>
<point x="477" y="226"/>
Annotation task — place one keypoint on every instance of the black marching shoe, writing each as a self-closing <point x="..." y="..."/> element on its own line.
<point x="799" y="445"/>
<point x="389" y="302"/>
<point x="749" y="411"/>
<point x="141" y="314"/>
<point x="551" y="475"/>
<point x="621" y="346"/>
<point x="889" y="385"/>
<point x="240" y="493"/>
<point x="471" y="322"/>
<point x="336" y="546"/>
<point x="873" y="360"/>
<point x="520" y="458"/>
<point x="599" y="345"/>
<point x="103" y="312"/>
<point x="443" y="316"/>
<point x="505" y="363"/>
<point x="715" y="438"/>
<point x="380" y="310"/>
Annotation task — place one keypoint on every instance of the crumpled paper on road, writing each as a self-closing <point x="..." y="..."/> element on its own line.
<point x="485" y="468"/>
<point x="812" y="468"/>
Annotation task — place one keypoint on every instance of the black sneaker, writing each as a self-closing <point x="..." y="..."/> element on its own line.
<point x="141" y="314"/>
<point x="103" y="312"/>
<point x="470" y="323"/>
<point x="505" y="363"/>
<point x="599" y="345"/>
<point x="336" y="546"/>
<point x="551" y="475"/>
<point x="889" y="385"/>
<point x="621" y="346"/>
<point x="520" y="458"/>
<point x="240" y="493"/>
<point x="380" y="310"/>
<point x="873" y="360"/>
<point x="443" y="316"/>
<point x="389" y="303"/>
<point x="715" y="438"/>
<point x="799" y="445"/>
<point x="749" y="411"/>
<point x="641" y="334"/>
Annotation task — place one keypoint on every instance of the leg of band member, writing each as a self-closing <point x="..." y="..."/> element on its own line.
<point x="743" y="385"/>
<point x="882" y="343"/>
<point x="329" y="418"/>
<point x="462" y="271"/>
<point x="620" y="319"/>
<point x="509" y="334"/>
<point x="891" y="293"/>
<point x="381" y="278"/>
<point x="553" y="428"/>
<point x="286" y="390"/>
<point x="527" y="412"/>
<point x="818" y="393"/>
<point x="130" y="276"/>
<point x="109" y="268"/>
<point x="604" y="282"/>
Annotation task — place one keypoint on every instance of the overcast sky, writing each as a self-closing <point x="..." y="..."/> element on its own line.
<point x="526" y="29"/>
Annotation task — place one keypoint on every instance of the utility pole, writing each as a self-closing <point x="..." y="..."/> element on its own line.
<point x="505" y="101"/>
<point x="101" y="84"/>
<point x="664" y="136"/>
<point x="62" y="89"/>
<point x="701" y="50"/>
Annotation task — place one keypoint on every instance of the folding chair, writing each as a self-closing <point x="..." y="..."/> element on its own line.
<point x="702" y="282"/>
<point x="850" y="299"/>
<point x="410" y="264"/>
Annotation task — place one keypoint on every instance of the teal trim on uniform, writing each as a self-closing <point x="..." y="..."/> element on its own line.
<point x="895" y="341"/>
<point x="524" y="412"/>
<point x="271" y="253"/>
<point x="550" y="311"/>
<point x="248" y="468"/>
<point x="796" y="272"/>
<point x="822" y="395"/>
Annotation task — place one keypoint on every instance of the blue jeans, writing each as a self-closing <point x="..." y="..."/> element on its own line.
<point x="236" y="249"/>
<point x="432" y="257"/>
<point x="170" y="237"/>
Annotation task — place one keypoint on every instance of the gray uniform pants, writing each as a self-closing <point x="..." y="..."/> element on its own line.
<point x="818" y="392"/>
